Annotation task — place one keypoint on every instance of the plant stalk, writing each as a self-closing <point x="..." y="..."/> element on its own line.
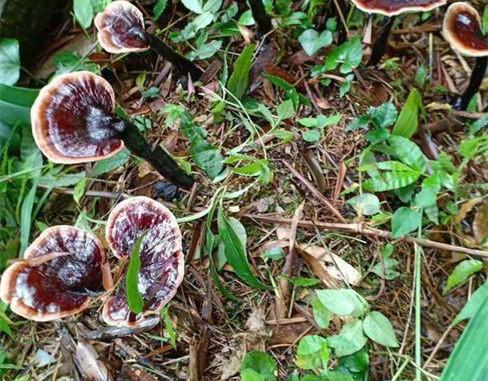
<point x="461" y="103"/>
<point x="157" y="156"/>
<point x="259" y="14"/>
<point x="381" y="42"/>
<point x="181" y="63"/>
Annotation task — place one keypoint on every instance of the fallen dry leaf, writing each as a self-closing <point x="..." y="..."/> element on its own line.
<point x="480" y="223"/>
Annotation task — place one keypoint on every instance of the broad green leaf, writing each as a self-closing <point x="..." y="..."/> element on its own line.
<point x="285" y="110"/>
<point x="236" y="252"/>
<point x="390" y="180"/>
<point x="206" y="50"/>
<point x="135" y="300"/>
<point x="384" y="115"/>
<point x="249" y="374"/>
<point x="404" y="221"/>
<point x="378" y="328"/>
<point x="365" y="204"/>
<point x="468" y="360"/>
<point x="9" y="61"/>
<point x="193" y="5"/>
<point x="349" y="340"/>
<point x="67" y="62"/>
<point x="312" y="353"/>
<point x="262" y="363"/>
<point x="246" y="18"/>
<point x="321" y="314"/>
<point x="312" y="136"/>
<point x="275" y="253"/>
<point x="239" y="79"/>
<point x="344" y="302"/>
<point x="406" y="151"/>
<point x="312" y="41"/>
<point x="208" y="158"/>
<point x="473" y="304"/>
<point x="408" y="120"/>
<point x="159" y="8"/>
<point x="107" y="165"/>
<point x="348" y="56"/>
<point x="83" y="12"/>
<point x="356" y="365"/>
<point x="462" y="272"/>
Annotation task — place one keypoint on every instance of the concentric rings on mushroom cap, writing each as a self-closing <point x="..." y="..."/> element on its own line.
<point x="162" y="260"/>
<point x="462" y="29"/>
<point x="396" y="7"/>
<point x="121" y="28"/>
<point x="71" y="119"/>
<point x="60" y="272"/>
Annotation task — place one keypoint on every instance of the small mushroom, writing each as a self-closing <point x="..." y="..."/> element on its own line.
<point x="161" y="255"/>
<point x="73" y="121"/>
<point x="61" y="271"/>
<point x="121" y="30"/>
<point x="259" y="15"/>
<point x="462" y="29"/>
<point x="390" y="9"/>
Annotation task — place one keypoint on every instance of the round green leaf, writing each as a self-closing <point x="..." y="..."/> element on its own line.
<point x="262" y="365"/>
<point x="378" y="328"/>
<point x="9" y="61"/>
<point x="312" y="352"/>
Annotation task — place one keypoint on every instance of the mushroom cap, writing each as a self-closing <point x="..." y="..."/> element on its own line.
<point x="121" y="28"/>
<point x="161" y="254"/>
<point x="71" y="119"/>
<point x="396" y="7"/>
<point x="60" y="270"/>
<point x="462" y="29"/>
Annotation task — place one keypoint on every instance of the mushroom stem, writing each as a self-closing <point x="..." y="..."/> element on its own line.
<point x="176" y="59"/>
<point x="259" y="14"/>
<point x="156" y="156"/>
<point x="381" y="42"/>
<point x="461" y="103"/>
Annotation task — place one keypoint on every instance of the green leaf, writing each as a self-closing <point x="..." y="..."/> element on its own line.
<point x="312" y="353"/>
<point x="378" y="328"/>
<point x="262" y="363"/>
<point x="83" y="12"/>
<point x="312" y="41"/>
<point x="235" y="252"/>
<point x="384" y="115"/>
<point x="349" y="340"/>
<point x="107" y="165"/>
<point x="348" y="56"/>
<point x="404" y="221"/>
<point x="344" y="302"/>
<point x="251" y="375"/>
<point x="206" y="50"/>
<point x="468" y="360"/>
<point x="159" y="8"/>
<point x="321" y="314"/>
<point x="79" y="190"/>
<point x="275" y="253"/>
<point x="26" y="217"/>
<point x="135" y="300"/>
<point x="239" y="79"/>
<point x="462" y="272"/>
<point x="484" y="21"/>
<point x="473" y="304"/>
<point x="365" y="204"/>
<point x="208" y="158"/>
<point x="9" y="61"/>
<point x="285" y="109"/>
<point x="408" y="120"/>
<point x="193" y="5"/>
<point x="67" y="62"/>
<point x="169" y="326"/>
<point x="246" y="18"/>
<point x="312" y="136"/>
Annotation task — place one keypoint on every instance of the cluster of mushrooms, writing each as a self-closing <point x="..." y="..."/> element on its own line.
<point x="65" y="268"/>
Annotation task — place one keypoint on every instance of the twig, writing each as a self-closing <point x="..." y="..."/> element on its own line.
<point x="361" y="229"/>
<point x="314" y="191"/>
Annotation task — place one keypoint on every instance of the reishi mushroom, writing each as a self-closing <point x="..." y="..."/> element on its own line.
<point x="462" y="29"/>
<point x="61" y="271"/>
<point x="162" y="260"/>
<point x="73" y="121"/>
<point x="390" y="9"/>
<point x="121" y="30"/>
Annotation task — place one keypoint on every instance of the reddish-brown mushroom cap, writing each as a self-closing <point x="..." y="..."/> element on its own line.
<point x="61" y="269"/>
<point x="162" y="260"/>
<point x="396" y="7"/>
<point x="71" y="119"/>
<point x="462" y="29"/>
<point x="121" y="28"/>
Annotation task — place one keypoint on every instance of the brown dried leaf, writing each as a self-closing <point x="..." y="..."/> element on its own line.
<point x="480" y="223"/>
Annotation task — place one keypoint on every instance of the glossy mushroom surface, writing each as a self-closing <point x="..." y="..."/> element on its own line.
<point x="121" y="28"/>
<point x="396" y="7"/>
<point x="61" y="271"/>
<point x="462" y="29"/>
<point x="72" y="119"/>
<point x="162" y="260"/>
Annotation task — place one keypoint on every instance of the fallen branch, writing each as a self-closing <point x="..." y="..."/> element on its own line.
<point x="361" y="229"/>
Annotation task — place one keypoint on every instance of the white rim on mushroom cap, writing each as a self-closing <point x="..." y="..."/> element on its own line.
<point x="39" y="130"/>
<point x="406" y="9"/>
